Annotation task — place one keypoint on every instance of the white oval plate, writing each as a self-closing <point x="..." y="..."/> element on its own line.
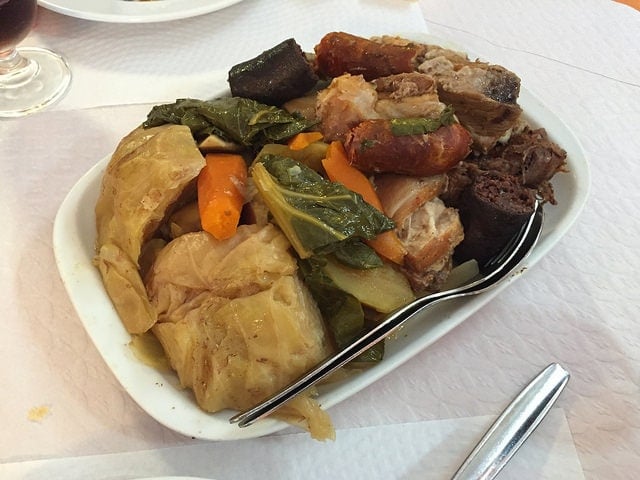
<point x="173" y="478"/>
<point x="158" y="393"/>
<point x="122" y="11"/>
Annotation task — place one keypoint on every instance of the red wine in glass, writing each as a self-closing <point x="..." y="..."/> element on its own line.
<point x="30" y="78"/>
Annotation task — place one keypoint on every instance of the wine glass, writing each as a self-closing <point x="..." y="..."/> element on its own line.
<point x="30" y="78"/>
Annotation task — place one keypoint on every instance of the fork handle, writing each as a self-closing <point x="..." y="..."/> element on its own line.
<point x="380" y="331"/>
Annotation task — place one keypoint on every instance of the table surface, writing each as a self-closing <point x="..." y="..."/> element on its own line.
<point x="578" y="306"/>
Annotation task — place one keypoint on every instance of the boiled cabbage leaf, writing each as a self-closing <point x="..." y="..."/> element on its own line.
<point x="149" y="173"/>
<point x="316" y="215"/>
<point x="237" y="323"/>
<point x="240" y="120"/>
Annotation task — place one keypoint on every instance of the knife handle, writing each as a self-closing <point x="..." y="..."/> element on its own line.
<point x="514" y="425"/>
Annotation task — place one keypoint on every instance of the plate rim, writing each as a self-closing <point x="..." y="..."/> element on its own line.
<point x="77" y="269"/>
<point x="136" y="12"/>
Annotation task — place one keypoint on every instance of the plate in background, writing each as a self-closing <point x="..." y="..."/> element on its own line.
<point x="123" y="11"/>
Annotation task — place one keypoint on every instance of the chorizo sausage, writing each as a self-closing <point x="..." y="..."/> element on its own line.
<point x="374" y="148"/>
<point x="339" y="53"/>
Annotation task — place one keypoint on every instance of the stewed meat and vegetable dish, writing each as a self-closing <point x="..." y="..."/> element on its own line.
<point x="255" y="234"/>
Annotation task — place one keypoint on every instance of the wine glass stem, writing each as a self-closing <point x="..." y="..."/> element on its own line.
<point x="15" y="70"/>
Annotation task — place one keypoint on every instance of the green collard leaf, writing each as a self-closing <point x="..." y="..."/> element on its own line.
<point x="357" y="254"/>
<point x="314" y="213"/>
<point x="236" y="119"/>
<point x="420" y="126"/>
<point x="342" y="312"/>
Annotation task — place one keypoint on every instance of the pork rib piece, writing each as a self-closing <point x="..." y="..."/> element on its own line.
<point x="484" y="96"/>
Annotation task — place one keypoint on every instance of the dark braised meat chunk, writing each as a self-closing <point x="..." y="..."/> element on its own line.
<point x="494" y="192"/>
<point x="275" y="76"/>
<point x="530" y="155"/>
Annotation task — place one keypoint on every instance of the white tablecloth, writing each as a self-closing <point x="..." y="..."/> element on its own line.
<point x="64" y="415"/>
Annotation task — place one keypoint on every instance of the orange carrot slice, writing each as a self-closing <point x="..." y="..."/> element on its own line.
<point x="221" y="193"/>
<point x="338" y="169"/>
<point x="302" y="140"/>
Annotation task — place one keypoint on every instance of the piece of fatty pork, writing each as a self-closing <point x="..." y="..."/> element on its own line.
<point x="427" y="228"/>
<point x="350" y="99"/>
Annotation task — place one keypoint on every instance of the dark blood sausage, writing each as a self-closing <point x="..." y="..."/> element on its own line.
<point x="275" y="76"/>
<point x="373" y="148"/>
<point x="339" y="53"/>
<point x="492" y="209"/>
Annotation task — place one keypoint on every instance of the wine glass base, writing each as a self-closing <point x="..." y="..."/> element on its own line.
<point x="42" y="83"/>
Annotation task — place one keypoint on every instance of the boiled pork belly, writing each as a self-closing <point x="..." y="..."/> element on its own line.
<point x="407" y="95"/>
<point x="349" y="100"/>
<point x="402" y="194"/>
<point x="428" y="229"/>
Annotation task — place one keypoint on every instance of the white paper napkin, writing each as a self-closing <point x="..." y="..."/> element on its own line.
<point x="116" y="64"/>
<point x="428" y="450"/>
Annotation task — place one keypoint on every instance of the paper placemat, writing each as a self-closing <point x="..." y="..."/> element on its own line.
<point x="428" y="450"/>
<point x="114" y="64"/>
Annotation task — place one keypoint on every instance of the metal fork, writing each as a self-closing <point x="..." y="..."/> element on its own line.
<point x="494" y="270"/>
